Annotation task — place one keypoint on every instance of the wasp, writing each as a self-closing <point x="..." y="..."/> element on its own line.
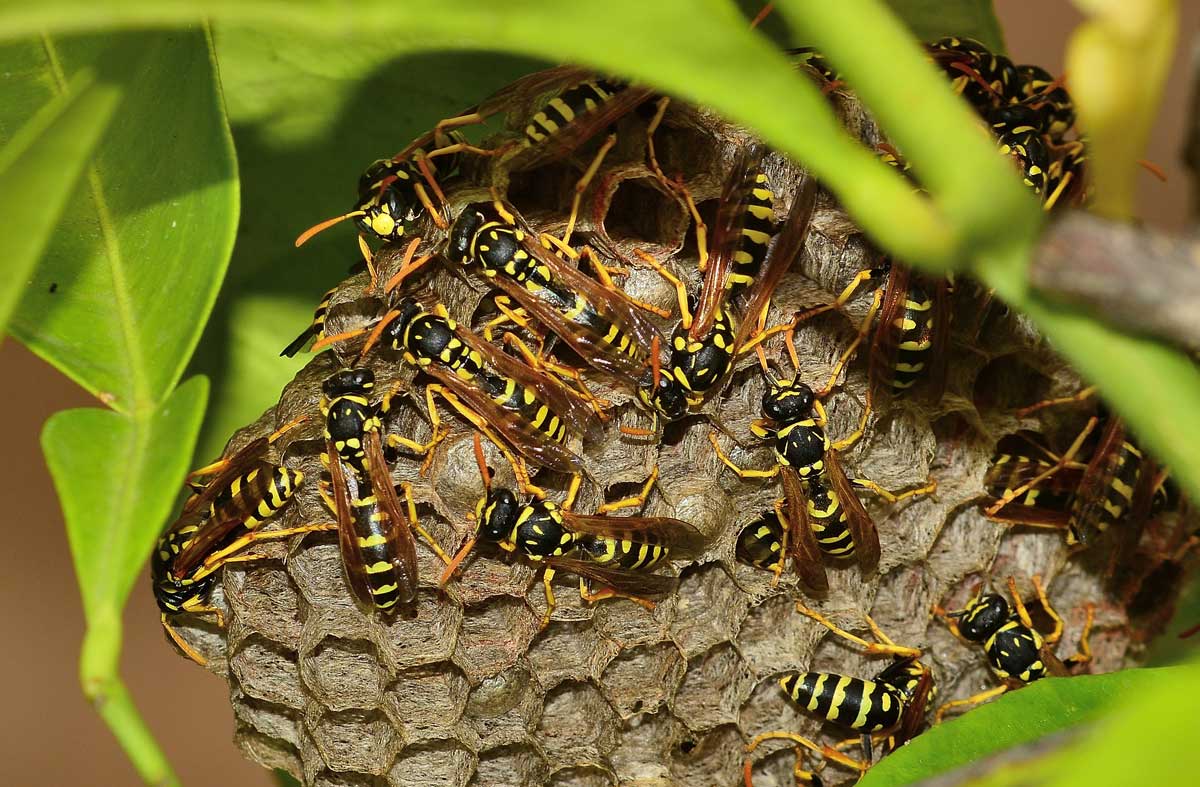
<point x="602" y="325"/>
<point x="742" y="264"/>
<point x="891" y="706"/>
<point x="985" y="79"/>
<point x="219" y="521"/>
<point x="824" y="515"/>
<point x="1047" y="96"/>
<point x="1018" y="130"/>
<point x="616" y="552"/>
<point x="511" y="403"/>
<point x="315" y="330"/>
<point x="1017" y="653"/>
<point x="377" y="546"/>
<point x="1117" y="483"/>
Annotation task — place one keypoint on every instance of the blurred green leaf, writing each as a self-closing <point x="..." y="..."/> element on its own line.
<point x="117" y="476"/>
<point x="122" y="292"/>
<point x="1017" y="718"/>
<point x="38" y="171"/>
<point x="934" y="19"/>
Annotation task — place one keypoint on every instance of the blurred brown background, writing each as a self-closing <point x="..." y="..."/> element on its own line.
<point x="49" y="736"/>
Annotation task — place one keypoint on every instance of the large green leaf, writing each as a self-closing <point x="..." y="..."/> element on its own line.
<point x="1017" y="718"/>
<point x="38" y="171"/>
<point x="121" y="295"/>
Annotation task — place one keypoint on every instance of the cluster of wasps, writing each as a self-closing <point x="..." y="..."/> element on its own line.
<point x="520" y="382"/>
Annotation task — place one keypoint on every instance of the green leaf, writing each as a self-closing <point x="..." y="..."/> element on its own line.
<point x="1017" y="718"/>
<point x="117" y="478"/>
<point x="121" y="295"/>
<point x="307" y="118"/>
<point x="934" y="19"/>
<point x="38" y="171"/>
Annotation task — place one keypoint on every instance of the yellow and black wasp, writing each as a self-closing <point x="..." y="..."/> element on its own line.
<point x="618" y="552"/>
<point x="224" y="516"/>
<point x="1017" y="653"/>
<point x="824" y="515"/>
<point x="742" y="269"/>
<point x="375" y="536"/>
<point x="595" y="319"/>
<point x="890" y="706"/>
<point x="1117" y="484"/>
<point x="512" y="404"/>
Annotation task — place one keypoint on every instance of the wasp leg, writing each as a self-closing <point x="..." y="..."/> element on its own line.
<point x="547" y="577"/>
<point x="975" y="699"/>
<point x="1063" y="461"/>
<point x="1081" y="396"/>
<point x="408" y="265"/>
<point x="440" y="432"/>
<point x="181" y="643"/>
<point x="885" y="646"/>
<point x="892" y="497"/>
<point x="558" y="370"/>
<point x="508" y="315"/>
<point x="634" y="501"/>
<point x="583" y="182"/>
<point x="676" y="188"/>
<point x="592" y="597"/>
<point x="411" y="507"/>
<point x="863" y="329"/>
<point x="229" y="553"/>
<point x="828" y="752"/>
<point x="742" y="472"/>
<point x="1084" y="654"/>
<point x="681" y="293"/>
<point x="605" y="277"/>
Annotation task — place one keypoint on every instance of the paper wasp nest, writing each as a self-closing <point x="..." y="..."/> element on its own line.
<point x="468" y="692"/>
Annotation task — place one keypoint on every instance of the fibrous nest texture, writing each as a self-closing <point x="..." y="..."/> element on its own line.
<point x="465" y="690"/>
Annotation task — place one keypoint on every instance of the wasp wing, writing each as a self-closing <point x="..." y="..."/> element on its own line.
<point x="633" y="583"/>
<point x="885" y="342"/>
<point x="574" y="412"/>
<point x="862" y="529"/>
<point x="683" y="539"/>
<point x="726" y="237"/>
<point x="401" y="544"/>
<point x="914" y="711"/>
<point x="352" y="557"/>
<point x="802" y="542"/>
<point x="525" y="439"/>
<point x="786" y="248"/>
<point x="1092" y="493"/>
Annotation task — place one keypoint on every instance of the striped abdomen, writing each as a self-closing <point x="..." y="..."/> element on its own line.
<point x="1014" y="651"/>
<point x="862" y="705"/>
<point x="630" y="551"/>
<point x="1118" y="496"/>
<point x="254" y="497"/>
<point x="511" y="395"/>
<point x="915" y="325"/>
<point x="760" y="543"/>
<point x="564" y="108"/>
<point x="1009" y="471"/>
<point x="373" y="530"/>
<point x="176" y="595"/>
<point x="827" y="519"/>
<point x="758" y="227"/>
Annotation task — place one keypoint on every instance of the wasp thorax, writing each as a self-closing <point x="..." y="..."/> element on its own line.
<point x="349" y="381"/>
<point x="497" y="514"/>
<point x="787" y="402"/>
<point x="983" y="616"/>
<point x="462" y="233"/>
<point x="668" y="400"/>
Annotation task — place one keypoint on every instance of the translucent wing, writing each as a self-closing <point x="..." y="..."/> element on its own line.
<point x="684" y="539"/>
<point x="802" y="542"/>
<point x="862" y="529"/>
<point x="401" y="544"/>
<point x="633" y="583"/>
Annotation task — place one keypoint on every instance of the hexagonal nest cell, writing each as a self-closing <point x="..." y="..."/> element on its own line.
<point x="462" y="688"/>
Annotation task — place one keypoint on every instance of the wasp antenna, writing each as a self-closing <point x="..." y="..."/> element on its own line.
<point x="324" y="225"/>
<point x="482" y="462"/>
<point x="456" y="561"/>
<point x="328" y="341"/>
<point x="762" y="14"/>
<point x="377" y="332"/>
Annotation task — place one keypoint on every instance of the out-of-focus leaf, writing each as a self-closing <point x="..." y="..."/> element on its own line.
<point x="1017" y="718"/>
<point x="121" y="294"/>
<point x="934" y="19"/>
<point x="38" y="171"/>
